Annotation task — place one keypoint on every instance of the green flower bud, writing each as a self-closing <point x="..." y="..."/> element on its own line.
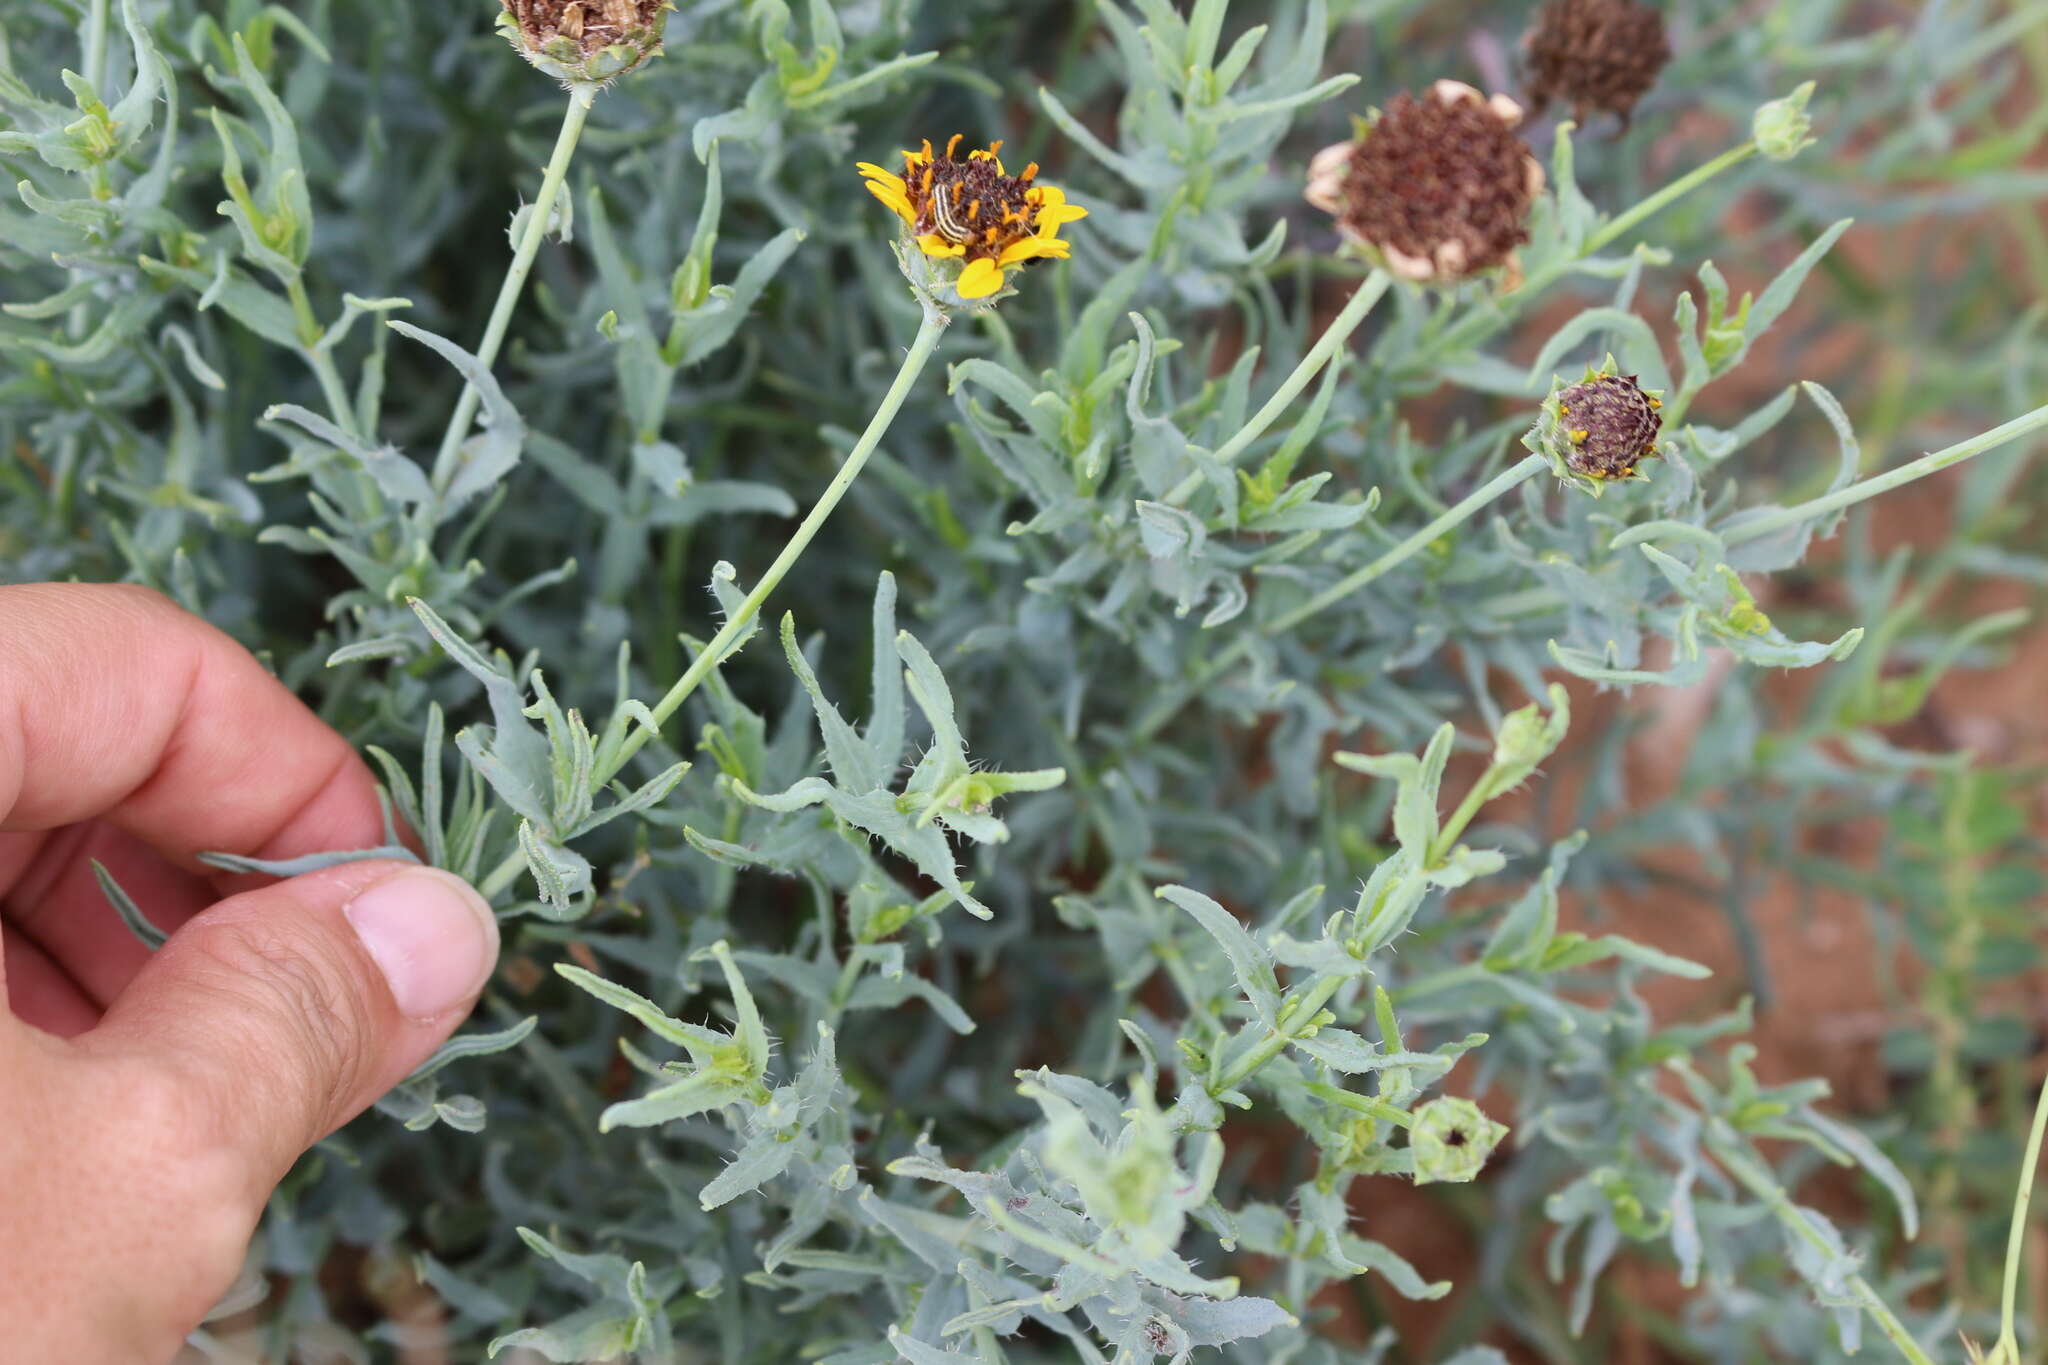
<point x="585" y="42"/>
<point x="1451" y="1140"/>
<point x="1781" y="127"/>
<point x="1527" y="736"/>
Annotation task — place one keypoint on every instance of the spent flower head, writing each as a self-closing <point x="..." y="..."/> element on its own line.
<point x="585" y="42"/>
<point x="1598" y="54"/>
<point x="1601" y="428"/>
<point x="971" y="221"/>
<point x="1451" y="1139"/>
<point x="1438" y="188"/>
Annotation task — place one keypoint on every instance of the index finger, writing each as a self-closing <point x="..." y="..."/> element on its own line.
<point x="117" y="704"/>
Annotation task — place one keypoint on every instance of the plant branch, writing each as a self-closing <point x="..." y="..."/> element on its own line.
<point x="708" y="658"/>
<point x="1362" y="301"/>
<point x="2008" y="1347"/>
<point x="1784" y="517"/>
<point x="96" y="47"/>
<point x="543" y="213"/>
<point x="1286" y="1029"/>
<point x="736" y="625"/>
<point x="1512" y="477"/>
<point x="1169" y="706"/>
<point x="1764" y="1186"/>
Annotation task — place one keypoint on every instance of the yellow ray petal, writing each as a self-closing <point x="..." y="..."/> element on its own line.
<point x="1032" y="247"/>
<point x="932" y="244"/>
<point x="893" y="198"/>
<point x="874" y="172"/>
<point x="1052" y="218"/>
<point x="980" y="279"/>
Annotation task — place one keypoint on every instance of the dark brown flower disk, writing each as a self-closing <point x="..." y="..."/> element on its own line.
<point x="595" y="24"/>
<point x="1435" y="173"/>
<point x="1598" y="54"/>
<point x="1611" y="425"/>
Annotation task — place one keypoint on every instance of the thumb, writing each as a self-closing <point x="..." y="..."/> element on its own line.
<point x="282" y="1013"/>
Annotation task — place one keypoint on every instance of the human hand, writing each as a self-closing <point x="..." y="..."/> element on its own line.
<point x="149" y="1103"/>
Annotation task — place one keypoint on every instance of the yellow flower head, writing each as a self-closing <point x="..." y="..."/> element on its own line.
<point x="971" y="209"/>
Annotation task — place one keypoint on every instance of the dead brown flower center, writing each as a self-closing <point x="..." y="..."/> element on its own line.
<point x="1598" y="54"/>
<point x="592" y="24"/>
<point x="1432" y="172"/>
<point x="970" y="200"/>
<point x="1611" y="424"/>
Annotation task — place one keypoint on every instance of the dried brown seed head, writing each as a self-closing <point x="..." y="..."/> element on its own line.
<point x="1439" y="186"/>
<point x="1609" y="424"/>
<point x="1598" y="54"/>
<point x="585" y="40"/>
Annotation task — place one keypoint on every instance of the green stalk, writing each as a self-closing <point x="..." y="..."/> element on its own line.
<point x="1362" y="300"/>
<point x="1509" y="478"/>
<point x="1476" y="325"/>
<point x="1862" y="490"/>
<point x="320" y="360"/>
<point x="913" y="364"/>
<point x="1447" y="837"/>
<point x="1616" y="226"/>
<point x="2008" y="1347"/>
<point x="96" y="46"/>
<point x="1299" y="1012"/>
<point x="1764" y="1186"/>
<point x="1169" y="706"/>
<point x="580" y="98"/>
<point x="736" y="625"/>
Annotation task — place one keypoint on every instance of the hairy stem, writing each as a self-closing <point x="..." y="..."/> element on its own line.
<point x="1293" y="1017"/>
<point x="1512" y="477"/>
<point x="707" y="659"/>
<point x="1785" y="517"/>
<point x="1761" y="1183"/>
<point x="736" y="625"/>
<point x="2008" y="1347"/>
<point x="1322" y="353"/>
<point x="580" y="99"/>
<point x="96" y="46"/>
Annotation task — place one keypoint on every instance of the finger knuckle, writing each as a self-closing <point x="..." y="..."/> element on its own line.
<point x="306" y="1019"/>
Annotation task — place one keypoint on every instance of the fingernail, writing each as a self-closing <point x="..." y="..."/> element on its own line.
<point x="431" y="935"/>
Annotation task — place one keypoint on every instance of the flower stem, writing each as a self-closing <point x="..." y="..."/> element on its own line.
<point x="2008" y="1347"/>
<point x="1785" y="517"/>
<point x="1614" y="227"/>
<point x="1327" y="345"/>
<point x="1509" y="478"/>
<point x="1169" y="705"/>
<point x="736" y="625"/>
<point x="580" y="98"/>
<point x="1447" y="837"/>
<point x="1764" y="1186"/>
<point x="743" y="616"/>
<point x="1285" y="1030"/>
<point x="1479" y="323"/>
<point x="96" y="46"/>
